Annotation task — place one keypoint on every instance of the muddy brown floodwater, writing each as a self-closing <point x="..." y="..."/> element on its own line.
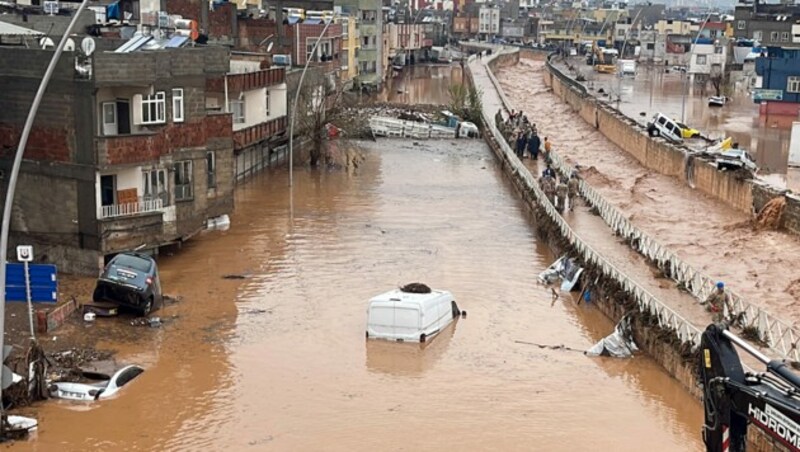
<point x="653" y="90"/>
<point x="422" y="84"/>
<point x="279" y="361"/>
<point x="711" y="237"/>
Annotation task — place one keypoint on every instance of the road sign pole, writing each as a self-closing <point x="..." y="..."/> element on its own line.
<point x="30" y="303"/>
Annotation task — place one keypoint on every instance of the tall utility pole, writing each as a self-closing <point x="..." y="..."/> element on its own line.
<point x="12" y="180"/>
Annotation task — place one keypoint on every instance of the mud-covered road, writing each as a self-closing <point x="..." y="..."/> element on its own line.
<point x="713" y="238"/>
<point x="278" y="361"/>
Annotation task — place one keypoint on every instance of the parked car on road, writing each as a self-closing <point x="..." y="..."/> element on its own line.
<point x="130" y="280"/>
<point x="94" y="391"/>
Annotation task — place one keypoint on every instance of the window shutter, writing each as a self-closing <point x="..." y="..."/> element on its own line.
<point x="137" y="109"/>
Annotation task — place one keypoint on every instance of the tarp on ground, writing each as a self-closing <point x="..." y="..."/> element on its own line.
<point x="619" y="344"/>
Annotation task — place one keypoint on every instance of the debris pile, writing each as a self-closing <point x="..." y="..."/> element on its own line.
<point x="416" y="288"/>
<point x="76" y="357"/>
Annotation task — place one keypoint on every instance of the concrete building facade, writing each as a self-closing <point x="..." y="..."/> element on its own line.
<point x="126" y="158"/>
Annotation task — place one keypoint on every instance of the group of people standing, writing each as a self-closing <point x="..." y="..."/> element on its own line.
<point x="521" y="134"/>
<point x="561" y="191"/>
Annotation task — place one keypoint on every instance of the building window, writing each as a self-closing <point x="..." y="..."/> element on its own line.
<point x="183" y="180"/>
<point x="701" y="59"/>
<point x="757" y="35"/>
<point x="718" y="50"/>
<point x="651" y="46"/>
<point x="323" y="49"/>
<point x="773" y="37"/>
<point x="155" y="185"/>
<point x="621" y="32"/>
<point x="177" y="105"/>
<point x="211" y="165"/>
<point x="741" y="25"/>
<point x="152" y="108"/>
<point x="785" y="36"/>
<point x="793" y="84"/>
<point x="237" y="108"/>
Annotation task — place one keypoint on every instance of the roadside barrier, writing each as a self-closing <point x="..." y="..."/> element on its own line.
<point x="667" y="318"/>
<point x="779" y="336"/>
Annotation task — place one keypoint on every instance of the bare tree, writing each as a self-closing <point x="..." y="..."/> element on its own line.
<point x="322" y="113"/>
<point x="465" y="102"/>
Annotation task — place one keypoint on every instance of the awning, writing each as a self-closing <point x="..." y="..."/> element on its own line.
<point x="7" y="29"/>
<point x="293" y="20"/>
<point x="312" y="21"/>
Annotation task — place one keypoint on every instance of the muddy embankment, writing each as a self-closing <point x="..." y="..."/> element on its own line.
<point x="663" y="344"/>
<point x="740" y="193"/>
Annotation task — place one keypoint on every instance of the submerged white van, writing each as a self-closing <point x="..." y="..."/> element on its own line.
<point x="410" y="317"/>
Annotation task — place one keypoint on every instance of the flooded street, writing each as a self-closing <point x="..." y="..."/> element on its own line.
<point x="719" y="242"/>
<point x="654" y="91"/>
<point x="422" y="84"/>
<point x="278" y="361"/>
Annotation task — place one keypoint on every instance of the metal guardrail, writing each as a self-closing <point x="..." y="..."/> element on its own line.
<point x="646" y="302"/>
<point x="777" y="334"/>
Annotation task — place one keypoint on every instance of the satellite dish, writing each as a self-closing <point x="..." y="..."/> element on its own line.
<point x="88" y="46"/>
<point x="46" y="43"/>
<point x="269" y="47"/>
<point x="70" y="45"/>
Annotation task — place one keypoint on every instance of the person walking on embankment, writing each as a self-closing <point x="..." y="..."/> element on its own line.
<point x="717" y="302"/>
<point x="561" y="196"/>
<point x="572" y="187"/>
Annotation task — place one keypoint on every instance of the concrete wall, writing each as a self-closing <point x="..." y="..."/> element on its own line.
<point x="663" y="346"/>
<point x="654" y="153"/>
<point x="660" y="344"/>
<point x="58" y="169"/>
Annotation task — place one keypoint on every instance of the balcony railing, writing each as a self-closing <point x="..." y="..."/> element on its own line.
<point x="259" y="132"/>
<point x="131" y="208"/>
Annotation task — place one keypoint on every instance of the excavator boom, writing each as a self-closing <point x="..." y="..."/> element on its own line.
<point x="733" y="398"/>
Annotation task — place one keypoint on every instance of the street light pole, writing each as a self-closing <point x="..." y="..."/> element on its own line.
<point x="622" y="55"/>
<point x="12" y="180"/>
<point x="297" y="96"/>
<point x="686" y="75"/>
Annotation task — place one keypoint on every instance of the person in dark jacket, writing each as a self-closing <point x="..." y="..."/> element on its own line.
<point x="534" y="144"/>
<point x="522" y="140"/>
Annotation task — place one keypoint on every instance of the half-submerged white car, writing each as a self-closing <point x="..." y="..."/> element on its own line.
<point x="95" y="391"/>
<point x="414" y="313"/>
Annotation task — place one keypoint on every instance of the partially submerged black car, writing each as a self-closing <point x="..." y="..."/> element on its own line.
<point x="130" y="280"/>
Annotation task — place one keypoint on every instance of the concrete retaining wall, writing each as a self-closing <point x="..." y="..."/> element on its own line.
<point x="653" y="153"/>
<point x="663" y="346"/>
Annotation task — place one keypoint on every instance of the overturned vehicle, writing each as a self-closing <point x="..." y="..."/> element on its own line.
<point x="130" y="280"/>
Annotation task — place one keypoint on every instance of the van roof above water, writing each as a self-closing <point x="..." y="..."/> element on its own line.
<point x="408" y="297"/>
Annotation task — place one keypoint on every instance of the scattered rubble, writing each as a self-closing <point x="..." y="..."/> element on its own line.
<point x="74" y="358"/>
